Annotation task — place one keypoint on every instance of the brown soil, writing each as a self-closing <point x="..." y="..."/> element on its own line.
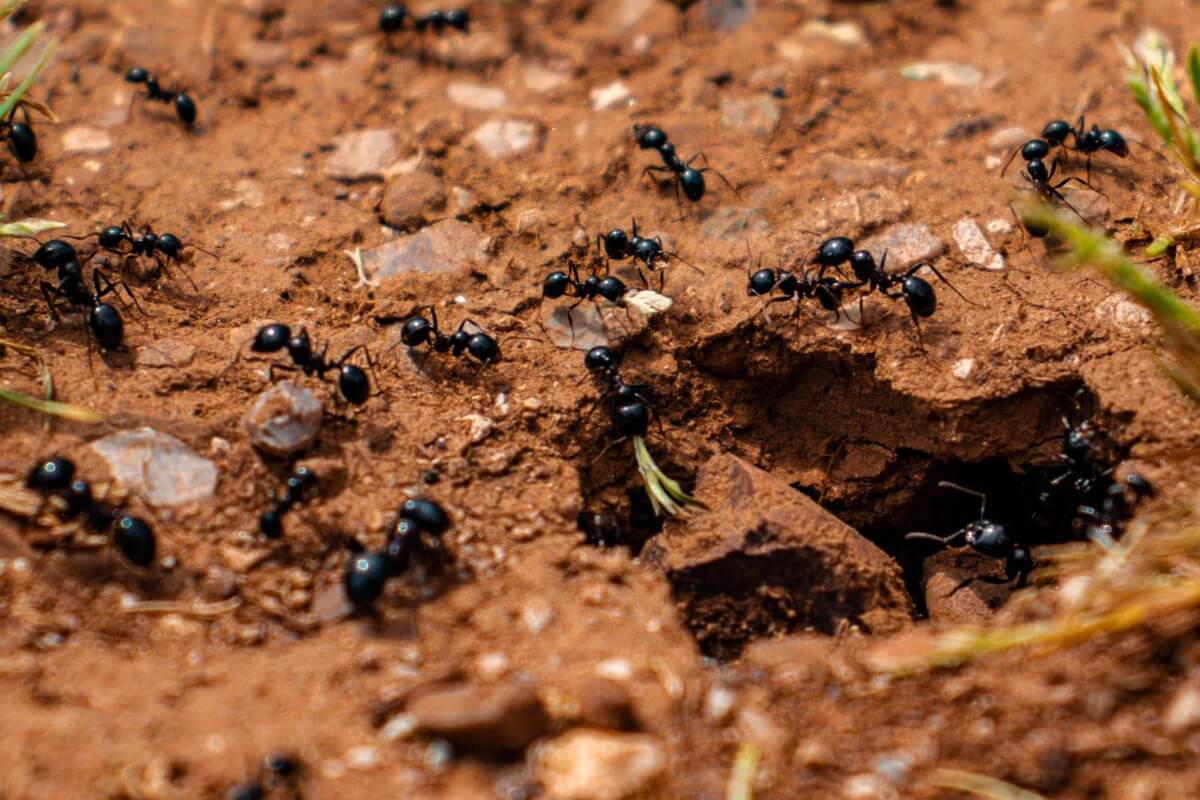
<point x="102" y="702"/>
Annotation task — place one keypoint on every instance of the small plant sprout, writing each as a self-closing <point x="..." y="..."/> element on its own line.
<point x="666" y="495"/>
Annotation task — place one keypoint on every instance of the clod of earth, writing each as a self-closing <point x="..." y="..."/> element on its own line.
<point x="496" y="719"/>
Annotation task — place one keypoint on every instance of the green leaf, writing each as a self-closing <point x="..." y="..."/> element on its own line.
<point x="27" y="81"/>
<point x="29" y="227"/>
<point x="1193" y="70"/>
<point x="17" y="49"/>
<point x="51" y="407"/>
<point x="1159" y="246"/>
<point x="1154" y="115"/>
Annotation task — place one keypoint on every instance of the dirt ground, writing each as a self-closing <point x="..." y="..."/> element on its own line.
<point x="104" y="697"/>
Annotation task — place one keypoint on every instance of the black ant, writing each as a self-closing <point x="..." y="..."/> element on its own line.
<point x="828" y="291"/>
<point x="352" y="382"/>
<point x="22" y="141"/>
<point x="1039" y="177"/>
<point x="393" y="19"/>
<point x="988" y="538"/>
<point x="103" y="320"/>
<point x="1120" y="497"/>
<point x="55" y="477"/>
<point x="618" y="246"/>
<point x="270" y="523"/>
<point x="419" y="331"/>
<point x="567" y="284"/>
<point x="163" y="248"/>
<point x="685" y="177"/>
<point x="185" y="107"/>
<point x="630" y="407"/>
<point x="278" y="770"/>
<point x="1086" y="141"/>
<point x="368" y="572"/>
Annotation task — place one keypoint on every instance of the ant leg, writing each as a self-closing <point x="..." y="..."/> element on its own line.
<point x="718" y="173"/>
<point x="920" y="335"/>
<point x="48" y="292"/>
<point x="571" y="320"/>
<point x="679" y="202"/>
<point x="1010" y="160"/>
<point x="652" y="171"/>
<point x="676" y="256"/>
<point x="943" y="540"/>
<point x="162" y="266"/>
<point x="956" y="487"/>
<point x="1082" y="182"/>
<point x="1058" y="195"/>
<point x="281" y="367"/>
<point x="935" y="271"/>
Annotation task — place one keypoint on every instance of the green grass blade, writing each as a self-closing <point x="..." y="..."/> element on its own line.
<point x="982" y="785"/>
<point x="51" y="407"/>
<point x="24" y="85"/>
<point x="18" y="48"/>
<point x="29" y="227"/>
<point x="1193" y="70"/>
<point x="1154" y="115"/>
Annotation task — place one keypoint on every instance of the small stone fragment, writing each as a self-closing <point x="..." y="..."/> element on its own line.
<point x="481" y="98"/>
<point x="411" y="200"/>
<point x="850" y="171"/>
<point x="906" y="244"/>
<point x="499" y="719"/>
<point x="164" y="353"/>
<point x="541" y="79"/>
<point x="581" y="329"/>
<point x="975" y="246"/>
<point x="847" y="33"/>
<point x="1183" y="710"/>
<point x="1008" y="139"/>
<point x="84" y="139"/>
<point x="359" y="155"/>
<point x="758" y="116"/>
<point x="283" y="420"/>
<point x="1124" y="314"/>
<point x="586" y="764"/>
<point x="948" y="72"/>
<point x="963" y="368"/>
<point x="450" y="246"/>
<point x="504" y="138"/>
<point x="159" y="467"/>
<point x="952" y="602"/>
<point x="614" y="95"/>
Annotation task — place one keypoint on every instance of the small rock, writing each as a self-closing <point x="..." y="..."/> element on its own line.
<point x="611" y="96"/>
<point x="1008" y="139"/>
<point x="999" y="226"/>
<point x="581" y="329"/>
<point x="851" y="171"/>
<point x="330" y="604"/>
<point x="481" y="98"/>
<point x="284" y="420"/>
<point x="359" y="155"/>
<point x="504" y="138"/>
<point x="164" y="353"/>
<point x="734" y="223"/>
<point x="781" y="561"/>
<point x="500" y="719"/>
<point x="594" y="702"/>
<point x="586" y="764"/>
<point x="906" y="244"/>
<point x="725" y="15"/>
<point x="852" y="213"/>
<point x="1121" y="312"/>
<point x="84" y="139"/>
<point x="719" y="704"/>
<point x="868" y="787"/>
<point x="218" y="583"/>
<point x="963" y="368"/>
<point x="481" y="427"/>
<point x="412" y="200"/>
<point x="531" y="222"/>
<point x="246" y="194"/>
<point x="159" y="467"/>
<point x="975" y="246"/>
<point x="948" y="72"/>
<point x="1183" y="710"/>
<point x="462" y="201"/>
<point x="540" y="79"/>
<point x="847" y="33"/>
<point x="973" y="603"/>
<point x="758" y="116"/>
<point x="450" y="246"/>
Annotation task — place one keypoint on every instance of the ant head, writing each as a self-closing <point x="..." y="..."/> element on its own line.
<point x="610" y="288"/>
<point x="835" y="251"/>
<point x="483" y="347"/>
<point x="458" y="19"/>
<point x="863" y="264"/>
<point x="1055" y="132"/>
<point x="299" y="346"/>
<point x="989" y="538"/>
<point x="761" y="283"/>
<point x="556" y="285"/>
<point x="1109" y="140"/>
<point x="135" y="539"/>
<point x="392" y="18"/>
<point x="271" y="338"/>
<point x="53" y="474"/>
<point x="106" y="325"/>
<point x="169" y="245"/>
<point x="54" y="254"/>
<point x="650" y="137"/>
<point x="602" y="359"/>
<point x="137" y="75"/>
<point x="353" y="384"/>
<point x="1035" y="149"/>
<point x="416" y="331"/>
<point x="632" y="418"/>
<point x="616" y="244"/>
<point x="646" y="250"/>
<point x="919" y="296"/>
<point x="22" y="142"/>
<point x="111" y="237"/>
<point x="426" y="515"/>
<point x="365" y="577"/>
<point x="1037" y="171"/>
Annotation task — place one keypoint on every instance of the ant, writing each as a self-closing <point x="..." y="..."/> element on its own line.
<point x="826" y="290"/>
<point x="163" y="248"/>
<point x="103" y="320"/>
<point x="685" y="177"/>
<point x="270" y="523"/>
<point x="395" y="17"/>
<point x="567" y="284"/>
<point x="618" y="246"/>
<point x="277" y="769"/>
<point x="1116" y="507"/>
<point x="1039" y="177"/>
<point x="368" y="572"/>
<point x="630" y="405"/>
<point x="22" y="141"/>
<point x="1086" y="141"/>
<point x="917" y="293"/>
<point x="185" y="107"/>
<point x="988" y="538"/>
<point x="352" y="382"/>
<point x="419" y="331"/>
<point x="55" y="477"/>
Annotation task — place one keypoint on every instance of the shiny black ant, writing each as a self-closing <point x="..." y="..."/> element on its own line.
<point x="185" y="107"/>
<point x="684" y="176"/>
<point x="1120" y="498"/>
<point x="567" y="284"/>
<point x="1039" y="177"/>
<point x="630" y="404"/>
<point x="163" y="248"/>
<point x="278" y="770"/>
<point x="22" y="141"/>
<point x="419" y="331"/>
<point x="55" y="477"/>
<point x="352" y="382"/>
<point x="827" y="290"/>
<point x="367" y="573"/>
<point x="270" y="523"/>
<point x="619" y="246"/>
<point x="395" y="17"/>
<point x="988" y="538"/>
<point x="103" y="320"/>
<point x="1088" y="141"/>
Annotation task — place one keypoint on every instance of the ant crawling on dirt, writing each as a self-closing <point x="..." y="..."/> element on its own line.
<point x="163" y="248"/>
<point x="395" y="17"/>
<point x="1087" y="141"/>
<point x="988" y="538"/>
<point x="55" y="477"/>
<point x="185" y="107"/>
<point x="278" y="770"/>
<point x="22" y="141"/>
<point x="567" y="284"/>
<point x="367" y="573"/>
<point x="103" y="320"/>
<point x="352" y="382"/>
<point x="270" y="523"/>
<point x="684" y="176"/>
<point x="419" y="331"/>
<point x="618" y="246"/>
<point x="1120" y="498"/>
<point x="828" y="291"/>
<point x="630" y="407"/>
